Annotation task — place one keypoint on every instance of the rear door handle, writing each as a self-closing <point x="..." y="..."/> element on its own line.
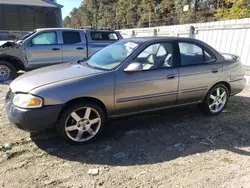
<point x="80" y="48"/>
<point x="215" y="70"/>
<point x="55" y="49"/>
<point x="171" y="76"/>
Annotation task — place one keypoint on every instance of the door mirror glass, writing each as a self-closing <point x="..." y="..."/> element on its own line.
<point x="134" y="67"/>
<point x="28" y="43"/>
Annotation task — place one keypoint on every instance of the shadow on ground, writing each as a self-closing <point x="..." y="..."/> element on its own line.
<point x="159" y="136"/>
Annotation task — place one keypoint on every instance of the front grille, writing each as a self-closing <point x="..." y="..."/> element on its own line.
<point x="9" y="96"/>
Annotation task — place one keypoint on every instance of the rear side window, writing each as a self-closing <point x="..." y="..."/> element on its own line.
<point x="192" y="54"/>
<point x="71" y="37"/>
<point x="95" y="35"/>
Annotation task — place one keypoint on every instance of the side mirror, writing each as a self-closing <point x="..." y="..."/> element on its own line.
<point x="134" y="67"/>
<point x="28" y="43"/>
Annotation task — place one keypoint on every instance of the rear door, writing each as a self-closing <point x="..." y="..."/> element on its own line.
<point x="73" y="45"/>
<point x="43" y="49"/>
<point x="198" y="71"/>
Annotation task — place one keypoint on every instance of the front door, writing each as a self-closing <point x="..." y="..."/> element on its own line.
<point x="43" y="49"/>
<point x="198" y="71"/>
<point x="74" y="46"/>
<point x="155" y="86"/>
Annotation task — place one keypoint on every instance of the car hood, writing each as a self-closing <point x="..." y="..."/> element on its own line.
<point x="49" y="75"/>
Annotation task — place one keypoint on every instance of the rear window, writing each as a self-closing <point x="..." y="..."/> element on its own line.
<point x="95" y="35"/>
<point x="71" y="37"/>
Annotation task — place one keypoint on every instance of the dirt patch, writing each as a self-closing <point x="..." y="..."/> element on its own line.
<point x="171" y="148"/>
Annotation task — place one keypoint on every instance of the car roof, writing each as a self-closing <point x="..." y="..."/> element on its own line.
<point x="182" y="39"/>
<point x="71" y="29"/>
<point x="161" y="38"/>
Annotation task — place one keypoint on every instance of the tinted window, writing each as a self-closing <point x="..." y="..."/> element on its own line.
<point x="192" y="54"/>
<point x="103" y="36"/>
<point x="156" y="56"/>
<point x="71" y="37"/>
<point x="45" y="39"/>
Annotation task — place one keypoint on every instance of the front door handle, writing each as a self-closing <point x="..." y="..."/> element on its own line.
<point x="55" y="49"/>
<point x="80" y="48"/>
<point x="215" y="70"/>
<point x="171" y="76"/>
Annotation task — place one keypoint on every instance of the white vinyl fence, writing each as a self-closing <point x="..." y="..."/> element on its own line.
<point x="232" y="36"/>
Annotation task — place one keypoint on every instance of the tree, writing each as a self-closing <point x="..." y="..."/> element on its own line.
<point x="233" y="10"/>
<point x="67" y="22"/>
<point x="147" y="13"/>
<point x="118" y="14"/>
<point x="167" y="12"/>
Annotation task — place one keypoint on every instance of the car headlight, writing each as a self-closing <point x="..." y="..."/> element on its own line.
<point x="27" y="101"/>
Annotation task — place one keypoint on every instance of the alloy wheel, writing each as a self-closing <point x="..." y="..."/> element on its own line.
<point x="83" y="124"/>
<point x="217" y="100"/>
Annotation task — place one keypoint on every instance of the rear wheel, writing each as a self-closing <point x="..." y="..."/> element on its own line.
<point x="81" y="123"/>
<point x="216" y="100"/>
<point x="7" y="71"/>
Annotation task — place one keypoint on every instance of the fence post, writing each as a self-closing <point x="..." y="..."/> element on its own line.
<point x="192" y="32"/>
<point x="133" y="34"/>
<point x="155" y="32"/>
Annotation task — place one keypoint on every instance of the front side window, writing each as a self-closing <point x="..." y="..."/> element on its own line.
<point x="47" y="38"/>
<point x="98" y="35"/>
<point x="192" y="54"/>
<point x="71" y="37"/>
<point x="156" y="56"/>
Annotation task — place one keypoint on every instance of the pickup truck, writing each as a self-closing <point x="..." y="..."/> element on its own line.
<point x="50" y="46"/>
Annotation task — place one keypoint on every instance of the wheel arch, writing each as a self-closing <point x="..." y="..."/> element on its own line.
<point x="84" y="99"/>
<point x="226" y="84"/>
<point x="17" y="63"/>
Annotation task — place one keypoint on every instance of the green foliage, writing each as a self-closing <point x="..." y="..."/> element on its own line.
<point x="117" y="14"/>
<point x="233" y="10"/>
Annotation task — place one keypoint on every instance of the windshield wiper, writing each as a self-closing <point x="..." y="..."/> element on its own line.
<point x="91" y="66"/>
<point x="84" y="62"/>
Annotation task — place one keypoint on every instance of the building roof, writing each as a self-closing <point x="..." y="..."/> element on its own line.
<point x="40" y="3"/>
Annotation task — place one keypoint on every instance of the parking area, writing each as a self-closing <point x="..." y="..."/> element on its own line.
<point x="172" y="148"/>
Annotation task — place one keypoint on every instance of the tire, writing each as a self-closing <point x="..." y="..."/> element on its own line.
<point x="214" y="105"/>
<point x="4" y="68"/>
<point x="74" y="117"/>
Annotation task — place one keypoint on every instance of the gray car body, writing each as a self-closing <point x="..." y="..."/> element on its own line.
<point x="27" y="57"/>
<point x="122" y="93"/>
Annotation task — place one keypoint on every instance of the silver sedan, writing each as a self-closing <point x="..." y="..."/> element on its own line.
<point x="127" y="77"/>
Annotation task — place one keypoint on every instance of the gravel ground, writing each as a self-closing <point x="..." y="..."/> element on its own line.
<point x="172" y="148"/>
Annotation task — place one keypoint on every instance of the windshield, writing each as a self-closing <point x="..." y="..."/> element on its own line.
<point x="113" y="55"/>
<point x="26" y="36"/>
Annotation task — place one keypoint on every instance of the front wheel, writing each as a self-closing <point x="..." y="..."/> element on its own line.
<point x="216" y="100"/>
<point x="7" y="71"/>
<point x="81" y="123"/>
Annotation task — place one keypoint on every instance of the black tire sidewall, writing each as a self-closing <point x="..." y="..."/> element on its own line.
<point x="13" y="73"/>
<point x="206" y="101"/>
<point x="69" y="110"/>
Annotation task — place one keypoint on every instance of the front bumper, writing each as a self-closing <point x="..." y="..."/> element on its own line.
<point x="238" y="86"/>
<point x="33" y="120"/>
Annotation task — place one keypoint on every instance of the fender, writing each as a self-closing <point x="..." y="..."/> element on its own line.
<point x="17" y="62"/>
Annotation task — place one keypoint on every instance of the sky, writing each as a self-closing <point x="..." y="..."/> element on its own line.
<point x="68" y="6"/>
